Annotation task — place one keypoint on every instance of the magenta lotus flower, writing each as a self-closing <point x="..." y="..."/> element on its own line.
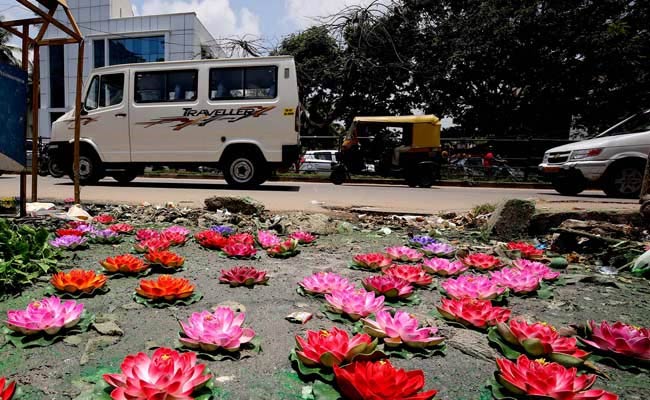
<point x="401" y="328"/>
<point x="146" y="234"/>
<point x="388" y="286"/>
<point x="325" y="283"/>
<point x="619" y="338"/>
<point x="86" y="229"/>
<point x="69" y="242"/>
<point x="213" y="331"/>
<point x="414" y="274"/>
<point x="177" y="230"/>
<point x="333" y="347"/>
<point x="473" y="287"/>
<point x="168" y="374"/>
<point x="444" y="267"/>
<point x="372" y="261"/>
<point x="536" y="268"/>
<point x="356" y="304"/>
<point x="518" y="281"/>
<point x="243" y="276"/>
<point x="303" y="237"/>
<point x="267" y="239"/>
<point x="404" y="254"/>
<point x="438" y="249"/>
<point x="48" y="315"/>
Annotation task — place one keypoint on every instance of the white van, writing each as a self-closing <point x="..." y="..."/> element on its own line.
<point x="238" y="115"/>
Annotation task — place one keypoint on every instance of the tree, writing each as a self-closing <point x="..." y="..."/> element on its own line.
<point x="6" y="49"/>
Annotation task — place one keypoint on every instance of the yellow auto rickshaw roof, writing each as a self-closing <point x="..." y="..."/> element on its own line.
<point x="404" y="119"/>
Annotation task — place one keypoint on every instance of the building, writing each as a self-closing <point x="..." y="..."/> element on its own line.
<point x="114" y="35"/>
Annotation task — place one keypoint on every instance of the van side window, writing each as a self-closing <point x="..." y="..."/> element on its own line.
<point x="165" y="86"/>
<point x="244" y="83"/>
<point x="92" y="97"/>
<point x="111" y="90"/>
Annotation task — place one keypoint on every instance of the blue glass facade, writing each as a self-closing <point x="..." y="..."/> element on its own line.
<point x="136" y="50"/>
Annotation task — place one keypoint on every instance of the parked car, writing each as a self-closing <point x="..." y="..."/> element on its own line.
<point x="322" y="160"/>
<point x="613" y="160"/>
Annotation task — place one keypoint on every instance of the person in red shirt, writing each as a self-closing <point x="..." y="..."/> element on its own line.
<point x="488" y="162"/>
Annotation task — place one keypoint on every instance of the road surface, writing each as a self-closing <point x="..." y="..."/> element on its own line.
<point x="301" y="196"/>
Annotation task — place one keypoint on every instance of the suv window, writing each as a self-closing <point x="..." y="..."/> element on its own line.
<point x="165" y="86"/>
<point x="637" y="124"/>
<point x="323" y="156"/>
<point x="105" y="91"/>
<point x="243" y="83"/>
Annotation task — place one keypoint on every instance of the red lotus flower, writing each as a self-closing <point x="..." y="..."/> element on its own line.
<point x="243" y="238"/>
<point x="303" y="237"/>
<point x="104" y="219"/>
<point x="367" y="380"/>
<point x="211" y="240"/>
<point x="121" y="228"/>
<point x="166" y="287"/>
<point x="75" y="224"/>
<point x="619" y="338"/>
<point x="333" y="347"/>
<point x="175" y="238"/>
<point x="540" y="379"/>
<point x="78" y="281"/>
<point x="154" y="244"/>
<point x="373" y="261"/>
<point x="144" y="234"/>
<point x="69" y="232"/>
<point x="239" y="250"/>
<point x="243" y="276"/>
<point x="473" y="312"/>
<point x="165" y="259"/>
<point x="388" y="286"/>
<point x="527" y="250"/>
<point x="6" y="390"/>
<point x="482" y="261"/>
<point x="126" y="264"/>
<point x="414" y="274"/>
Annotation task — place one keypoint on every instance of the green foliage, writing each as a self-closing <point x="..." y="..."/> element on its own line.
<point x="25" y="254"/>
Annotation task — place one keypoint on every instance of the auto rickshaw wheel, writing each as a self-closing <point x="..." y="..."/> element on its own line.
<point x="338" y="175"/>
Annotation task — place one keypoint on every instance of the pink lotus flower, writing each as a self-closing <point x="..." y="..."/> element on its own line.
<point x="444" y="267"/>
<point x="473" y="312"/>
<point x="404" y="254"/>
<point x="69" y="242"/>
<point x="121" y="228"/>
<point x="145" y="234"/>
<point x="179" y="230"/>
<point x="333" y="347"/>
<point x="239" y="250"/>
<point x="168" y="374"/>
<point x="536" y="268"/>
<point x="388" y="286"/>
<point x="356" y="304"/>
<point x="243" y="276"/>
<point x="518" y="281"/>
<point x="325" y="283"/>
<point x="303" y="237"/>
<point x="267" y="239"/>
<point x="219" y="330"/>
<point x="286" y="248"/>
<point x="174" y="238"/>
<point x="438" y="249"/>
<point x="473" y="286"/>
<point x="48" y="315"/>
<point x="152" y="245"/>
<point x="527" y="250"/>
<point x="374" y="261"/>
<point x="619" y="338"/>
<point x="243" y="238"/>
<point x="401" y="328"/>
<point x="482" y="261"/>
<point x="414" y="274"/>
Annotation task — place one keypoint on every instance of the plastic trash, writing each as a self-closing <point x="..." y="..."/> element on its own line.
<point x="76" y="213"/>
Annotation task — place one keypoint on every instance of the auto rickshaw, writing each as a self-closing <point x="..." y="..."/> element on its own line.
<point x="417" y="159"/>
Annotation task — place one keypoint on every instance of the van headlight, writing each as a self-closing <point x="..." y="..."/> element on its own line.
<point x="583" y="154"/>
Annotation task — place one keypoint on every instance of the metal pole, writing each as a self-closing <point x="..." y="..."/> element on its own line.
<point x="36" y="94"/>
<point x="77" y="121"/>
<point x="23" y="172"/>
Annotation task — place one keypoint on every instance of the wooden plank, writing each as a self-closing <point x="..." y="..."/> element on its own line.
<point x="36" y="10"/>
<point x="23" y="173"/>
<point x="14" y="31"/>
<point x="46" y="24"/>
<point x="36" y="97"/>
<point x="72" y="21"/>
<point x="52" y="42"/>
<point x="77" y="122"/>
<point x="19" y="22"/>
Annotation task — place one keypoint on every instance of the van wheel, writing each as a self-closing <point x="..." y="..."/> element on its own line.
<point x="625" y="180"/>
<point x="90" y="170"/>
<point x="568" y="186"/>
<point x="126" y="176"/>
<point x="243" y="171"/>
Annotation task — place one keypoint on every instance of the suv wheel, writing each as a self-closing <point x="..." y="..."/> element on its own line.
<point x="568" y="186"/>
<point x="625" y="180"/>
<point x="243" y="171"/>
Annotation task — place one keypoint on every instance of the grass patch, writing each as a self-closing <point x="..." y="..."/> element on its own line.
<point x="483" y="209"/>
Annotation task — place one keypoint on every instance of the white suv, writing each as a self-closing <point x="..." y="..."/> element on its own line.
<point x="614" y="160"/>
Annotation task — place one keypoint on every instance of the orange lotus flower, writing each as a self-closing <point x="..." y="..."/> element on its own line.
<point x="165" y="259"/>
<point x="78" y="281"/>
<point x="126" y="264"/>
<point x="166" y="287"/>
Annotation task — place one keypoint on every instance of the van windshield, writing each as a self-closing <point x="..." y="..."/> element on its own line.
<point x="636" y="124"/>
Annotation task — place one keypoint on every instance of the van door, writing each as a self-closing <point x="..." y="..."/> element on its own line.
<point x="106" y="119"/>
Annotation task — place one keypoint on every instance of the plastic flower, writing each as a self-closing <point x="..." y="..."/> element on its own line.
<point x="540" y="379"/>
<point x="174" y="238"/>
<point x="536" y="268"/>
<point x="69" y="242"/>
<point x="69" y="232"/>
<point x="267" y="239"/>
<point x="356" y="304"/>
<point x="473" y="312"/>
<point x="243" y="238"/>
<point x="518" y="281"/>
<point x="374" y="261"/>
<point x="527" y="250"/>
<point x="333" y="347"/>
<point x="482" y="261"/>
<point x="78" y="281"/>
<point x="223" y="230"/>
<point x="165" y="259"/>
<point x="438" y="249"/>
<point x="145" y="234"/>
<point x="619" y="338"/>
<point x="6" y="389"/>
<point x="211" y="240"/>
<point x="239" y="250"/>
<point x="121" y="228"/>
<point x="368" y="380"/>
<point x="125" y="264"/>
<point x="404" y="254"/>
<point x="303" y="237"/>
<point x="166" y="287"/>
<point x="221" y="329"/>
<point x="180" y="230"/>
<point x="153" y="244"/>
<point x="48" y="315"/>
<point x="473" y="286"/>
<point x="444" y="267"/>
<point x="401" y="328"/>
<point x="288" y="247"/>
<point x="168" y="374"/>
<point x="243" y="276"/>
<point x="388" y="286"/>
<point x="421" y="240"/>
<point x="414" y="274"/>
<point x="325" y="283"/>
<point x="105" y="236"/>
<point x="104" y="219"/>
<point x="86" y="229"/>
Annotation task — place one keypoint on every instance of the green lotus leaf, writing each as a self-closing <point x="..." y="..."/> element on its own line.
<point x="506" y="349"/>
<point x="195" y="297"/>
<point x="408" y="353"/>
<point x="67" y="295"/>
<point x="247" y="350"/>
<point x="533" y="346"/>
<point x="323" y="391"/>
<point x="306" y="372"/>
<point x="301" y="291"/>
<point x="566" y="359"/>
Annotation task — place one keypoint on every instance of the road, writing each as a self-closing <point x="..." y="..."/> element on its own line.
<point x="301" y="196"/>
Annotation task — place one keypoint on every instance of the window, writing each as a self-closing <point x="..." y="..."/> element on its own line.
<point x="99" y="53"/>
<point x="243" y="83"/>
<point x="92" y="97"/>
<point x="57" y="79"/>
<point x="323" y="156"/>
<point x="636" y="124"/>
<point x="165" y="86"/>
<point x="136" y="50"/>
<point x="105" y="91"/>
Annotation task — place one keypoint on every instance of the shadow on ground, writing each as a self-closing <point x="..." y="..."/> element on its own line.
<point x="192" y="185"/>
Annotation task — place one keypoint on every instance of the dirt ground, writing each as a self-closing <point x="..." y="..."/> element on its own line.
<point x="55" y="372"/>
